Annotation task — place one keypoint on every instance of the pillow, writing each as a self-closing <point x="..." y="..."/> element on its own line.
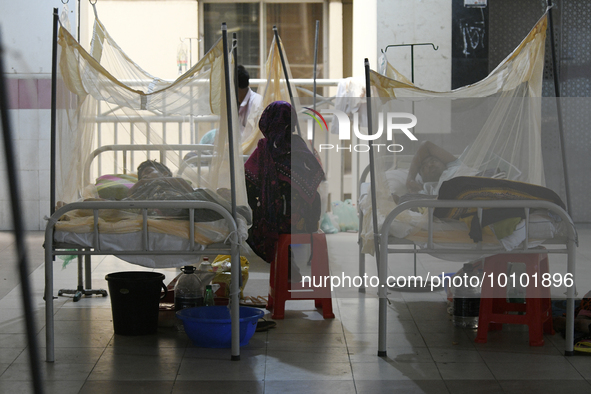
<point x="115" y="187"/>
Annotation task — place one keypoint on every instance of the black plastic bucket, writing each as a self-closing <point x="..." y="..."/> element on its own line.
<point x="135" y="299"/>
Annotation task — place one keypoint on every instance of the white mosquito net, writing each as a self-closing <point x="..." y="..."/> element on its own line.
<point x="492" y="126"/>
<point x="106" y="99"/>
<point x="275" y="89"/>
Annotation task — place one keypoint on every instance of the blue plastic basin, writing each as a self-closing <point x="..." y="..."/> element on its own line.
<point x="211" y="326"/>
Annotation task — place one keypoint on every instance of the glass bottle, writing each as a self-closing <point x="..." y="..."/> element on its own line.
<point x="208" y="299"/>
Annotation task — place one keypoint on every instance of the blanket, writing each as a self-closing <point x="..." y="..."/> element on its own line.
<point x="480" y="188"/>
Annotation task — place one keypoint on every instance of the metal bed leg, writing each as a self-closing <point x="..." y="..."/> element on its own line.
<point x="84" y="276"/>
<point x="49" y="331"/>
<point x="361" y="254"/>
<point x="87" y="273"/>
<point x="570" y="302"/>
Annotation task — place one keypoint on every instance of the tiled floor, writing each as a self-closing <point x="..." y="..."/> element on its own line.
<point x="304" y="354"/>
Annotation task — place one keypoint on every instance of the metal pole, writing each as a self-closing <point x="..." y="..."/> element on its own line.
<point x="19" y="231"/>
<point x="314" y="77"/>
<point x="236" y="271"/>
<point x="559" y="110"/>
<point x="53" y="137"/>
<point x="235" y="55"/>
<point x="376" y="236"/>
<point x="293" y="109"/>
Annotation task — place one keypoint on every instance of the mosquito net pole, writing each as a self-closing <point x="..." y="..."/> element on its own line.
<point x="376" y="238"/>
<point x="559" y="109"/>
<point x="52" y="169"/>
<point x="293" y="107"/>
<point x="314" y="78"/>
<point x="235" y="56"/>
<point x="235" y="274"/>
<point x="17" y="220"/>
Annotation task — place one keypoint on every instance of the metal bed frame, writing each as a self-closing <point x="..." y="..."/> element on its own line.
<point x="51" y="248"/>
<point x="568" y="241"/>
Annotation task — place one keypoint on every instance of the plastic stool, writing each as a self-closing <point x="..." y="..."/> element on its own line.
<point x="494" y="306"/>
<point x="280" y="288"/>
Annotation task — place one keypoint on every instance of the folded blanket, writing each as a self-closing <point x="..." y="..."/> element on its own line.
<point x="480" y="188"/>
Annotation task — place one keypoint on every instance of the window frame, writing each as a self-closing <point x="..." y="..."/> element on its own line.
<point x="263" y="52"/>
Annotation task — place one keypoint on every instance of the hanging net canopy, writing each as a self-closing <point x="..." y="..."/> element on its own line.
<point x="274" y="89"/>
<point x="105" y="99"/>
<point x="491" y="128"/>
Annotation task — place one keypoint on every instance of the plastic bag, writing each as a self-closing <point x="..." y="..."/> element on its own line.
<point x="347" y="214"/>
<point x="329" y="223"/>
<point x="223" y="277"/>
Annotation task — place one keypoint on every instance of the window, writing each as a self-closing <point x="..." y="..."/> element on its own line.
<point x="296" y="25"/>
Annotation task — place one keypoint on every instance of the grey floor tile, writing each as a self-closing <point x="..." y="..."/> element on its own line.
<point x="451" y="354"/>
<point x="68" y="355"/>
<point x="370" y="340"/>
<point x="402" y="354"/>
<point x="312" y="387"/>
<point x="50" y="387"/>
<point x="249" y="369"/>
<point x="218" y="387"/>
<point x="394" y="370"/>
<point x="318" y="355"/>
<point x="279" y="340"/>
<point x="304" y="353"/>
<point x="134" y="368"/>
<point x="400" y="386"/>
<point x="308" y="371"/>
<point x="545" y="386"/>
<point x="49" y="371"/>
<point x="127" y="387"/>
<point x="582" y="363"/>
<point x="474" y="386"/>
<point x="534" y="371"/>
<point x="8" y="355"/>
<point x="464" y="371"/>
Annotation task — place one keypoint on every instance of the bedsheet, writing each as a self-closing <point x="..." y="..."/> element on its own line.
<point x="121" y="230"/>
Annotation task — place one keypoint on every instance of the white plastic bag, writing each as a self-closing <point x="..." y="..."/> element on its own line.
<point x="347" y="214"/>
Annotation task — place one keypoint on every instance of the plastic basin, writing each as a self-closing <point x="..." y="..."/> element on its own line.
<point x="211" y="326"/>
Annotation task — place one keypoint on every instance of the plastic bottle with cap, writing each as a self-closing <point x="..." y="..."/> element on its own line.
<point x="205" y="265"/>
<point x="187" y="291"/>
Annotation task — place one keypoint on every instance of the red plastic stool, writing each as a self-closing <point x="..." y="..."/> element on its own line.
<point x="280" y="288"/>
<point x="494" y="307"/>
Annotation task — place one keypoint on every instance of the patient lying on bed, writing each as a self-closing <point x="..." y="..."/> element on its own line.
<point x="155" y="182"/>
<point x="434" y="165"/>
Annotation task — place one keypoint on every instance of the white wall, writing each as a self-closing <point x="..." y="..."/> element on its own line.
<point x="148" y="31"/>
<point x="26" y="29"/>
<point x="411" y="22"/>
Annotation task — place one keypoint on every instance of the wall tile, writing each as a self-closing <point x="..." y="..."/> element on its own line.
<point x="28" y="154"/>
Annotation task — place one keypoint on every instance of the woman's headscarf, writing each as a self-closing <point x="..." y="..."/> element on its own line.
<point x="281" y="155"/>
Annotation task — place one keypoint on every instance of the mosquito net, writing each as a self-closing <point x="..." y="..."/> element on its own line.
<point x="105" y="99"/>
<point x="274" y="89"/>
<point x="492" y="128"/>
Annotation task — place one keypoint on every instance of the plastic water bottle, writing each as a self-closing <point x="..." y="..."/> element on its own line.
<point x="205" y="265"/>
<point x="467" y="299"/>
<point x="208" y="299"/>
<point x="187" y="292"/>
